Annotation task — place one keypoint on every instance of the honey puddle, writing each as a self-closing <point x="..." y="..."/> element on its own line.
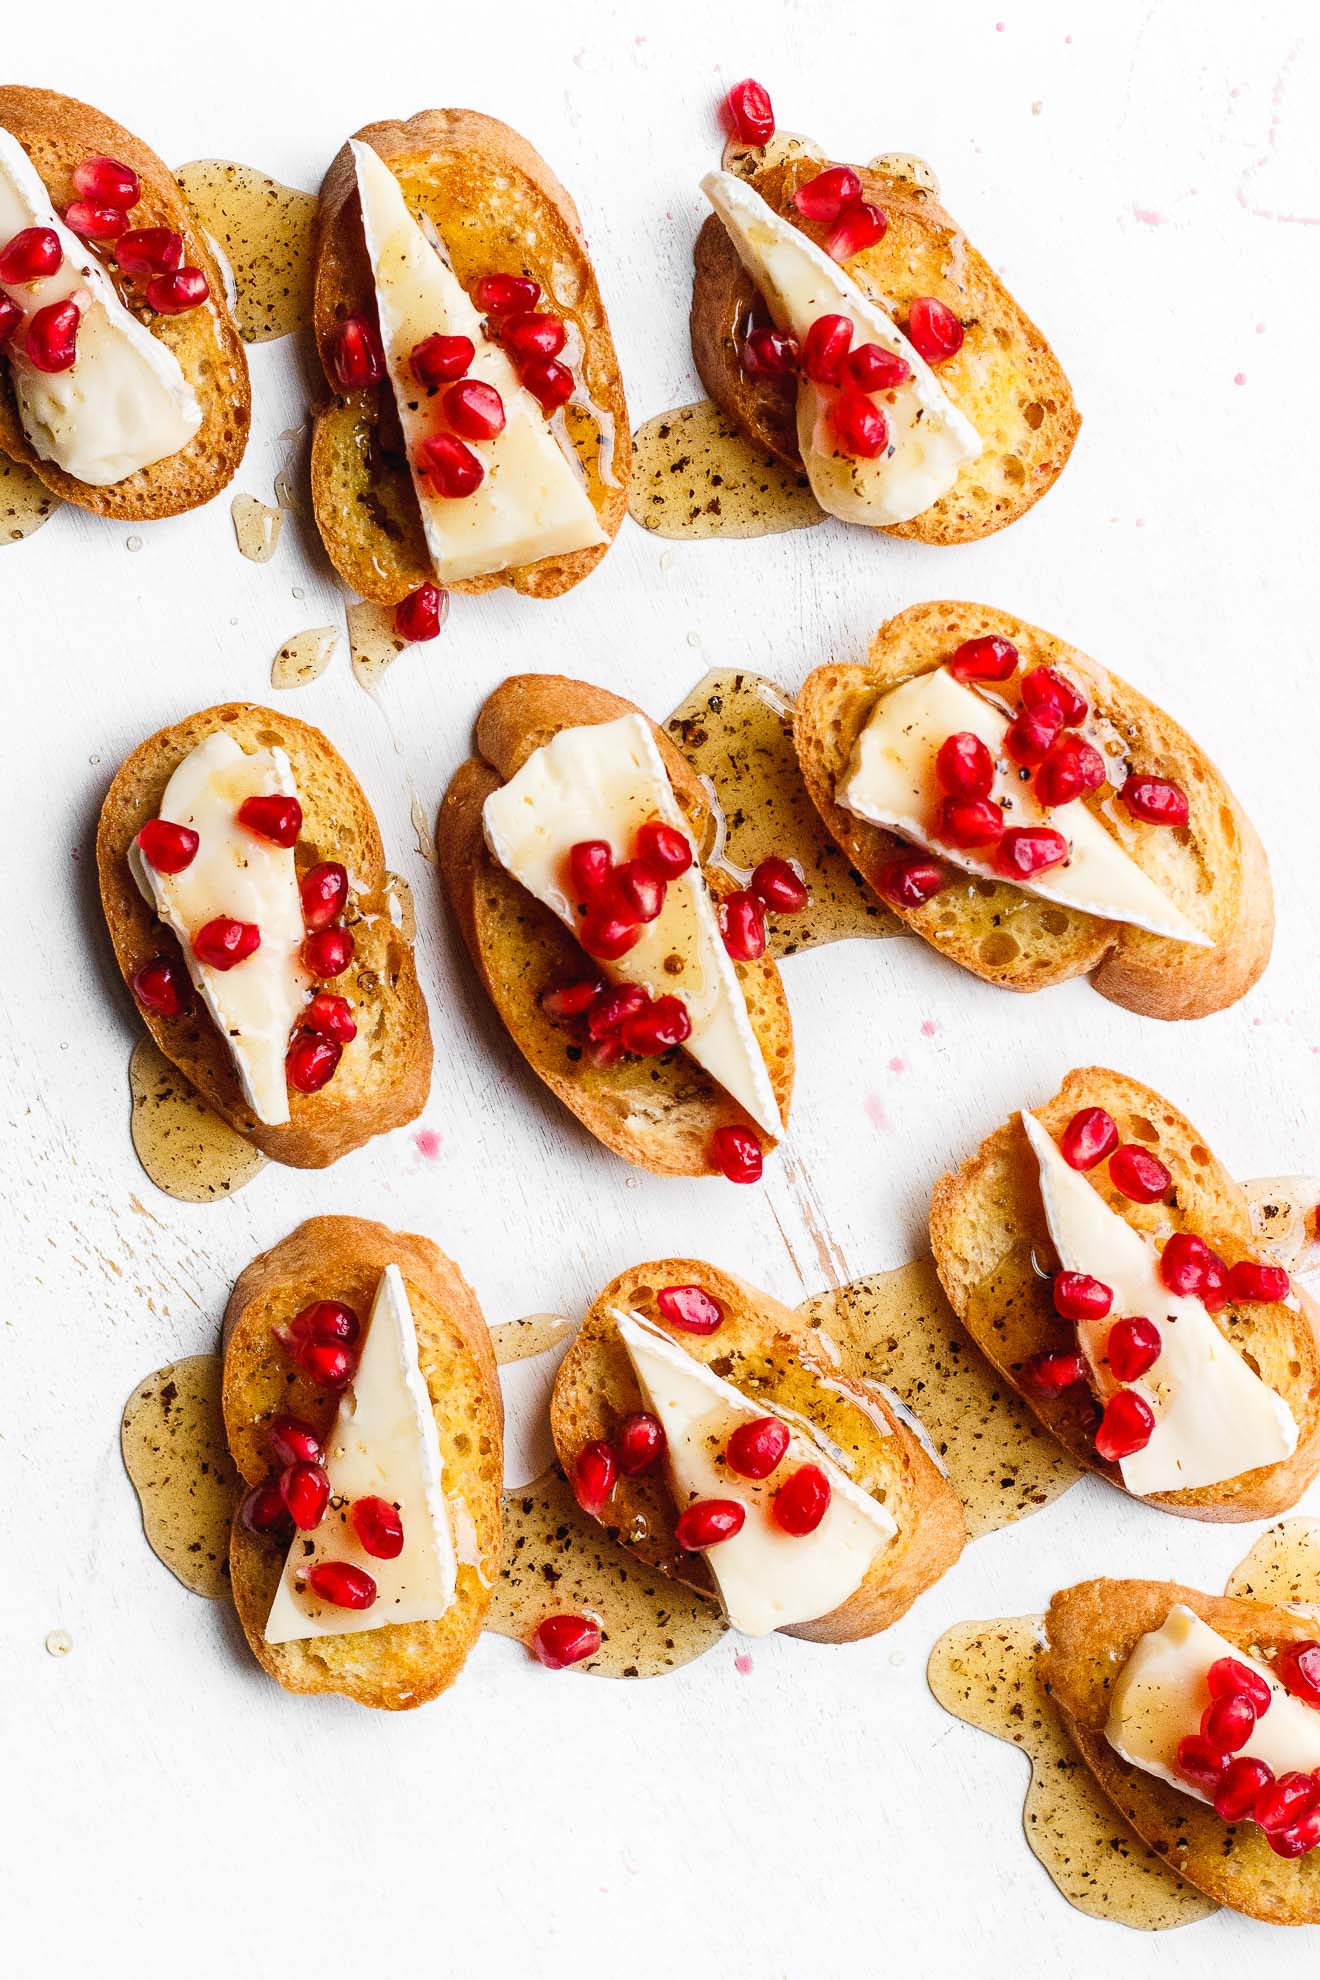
<point x="265" y="232"/>
<point x="374" y="646"/>
<point x="736" y="730"/>
<point x="1284" y="1217"/>
<point x="185" y="1148"/>
<point x="1283" y="1566"/>
<point x="538" y="1333"/>
<point x="696" y="476"/>
<point x="173" y="1441"/>
<point x="256" y="527"/>
<point x="25" y="501"/>
<point x="304" y="658"/>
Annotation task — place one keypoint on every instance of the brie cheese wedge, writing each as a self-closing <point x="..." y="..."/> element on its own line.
<point x="930" y="440"/>
<point x="1214" y="1416"/>
<point x="532" y="502"/>
<point x="383" y="1444"/>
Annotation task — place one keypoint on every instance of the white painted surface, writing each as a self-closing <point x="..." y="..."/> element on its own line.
<point x="821" y="1815"/>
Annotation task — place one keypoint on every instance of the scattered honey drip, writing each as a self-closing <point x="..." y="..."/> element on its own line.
<point x="400" y="906"/>
<point x="696" y="476"/>
<point x="373" y="643"/>
<point x="185" y="1148"/>
<point x="897" y="1329"/>
<point x="1283" y="1566"/>
<point x="25" y="501"/>
<point x="907" y="166"/>
<point x="736" y="730"/>
<point x="746" y="160"/>
<point x="173" y="1441"/>
<point x="304" y="658"/>
<point x="985" y="1673"/>
<point x="257" y="527"/>
<point x="265" y="232"/>
<point x="1284" y="1217"/>
<point x="538" y="1333"/>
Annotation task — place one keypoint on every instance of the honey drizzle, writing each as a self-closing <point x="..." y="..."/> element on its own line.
<point x="25" y="501"/>
<point x="256" y="527"/>
<point x="696" y="476"/>
<point x="1284" y="1218"/>
<point x="304" y="658"/>
<point x="1283" y="1566"/>
<point x="536" y="1333"/>
<point x="373" y="643"/>
<point x="185" y="1148"/>
<point x="264" y="230"/>
<point x="173" y="1443"/>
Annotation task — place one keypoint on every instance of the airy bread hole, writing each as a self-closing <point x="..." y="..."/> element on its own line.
<point x="1143" y="1129"/>
<point x="1034" y="414"/>
<point x="1054" y="922"/>
<point x="1199" y="1155"/>
<point x="997" y="950"/>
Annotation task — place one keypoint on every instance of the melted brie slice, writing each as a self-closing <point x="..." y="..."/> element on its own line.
<point x="1214" y="1416"/>
<point x="237" y="873"/>
<point x="930" y="440"/>
<point x="124" y="403"/>
<point x="1160" y="1693"/>
<point x="383" y="1445"/>
<point x="603" y="781"/>
<point x="767" y="1579"/>
<point x="891" y="781"/>
<point x="532" y="502"/>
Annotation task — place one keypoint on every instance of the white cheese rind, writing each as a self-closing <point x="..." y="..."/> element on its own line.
<point x="124" y="403"/>
<point x="602" y="781"/>
<point x="1214" y="1416"/>
<point x="891" y="781"/>
<point x="383" y="1444"/>
<point x="767" y="1579"/>
<point x="930" y="439"/>
<point x="532" y="503"/>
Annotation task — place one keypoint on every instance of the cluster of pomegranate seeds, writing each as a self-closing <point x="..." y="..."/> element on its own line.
<point x="637" y="1447"/>
<point x="355" y="356"/>
<point x="834" y="199"/>
<point x="532" y="337"/>
<point x="775" y="884"/>
<point x="736" y="1153"/>
<point x="616" y="900"/>
<point x="610" y="1020"/>
<point x="421" y="614"/>
<point x="327" y="1024"/>
<point x="933" y="330"/>
<point x="168" y="847"/>
<point x="1285" y="1806"/>
<point x="272" y="816"/>
<point x="748" y="112"/>
<point x="563" y="1640"/>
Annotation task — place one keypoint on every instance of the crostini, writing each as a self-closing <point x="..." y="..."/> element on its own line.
<point x="698" y="1420"/>
<point x="1199" y="1716"/>
<point x="633" y="980"/>
<point x="362" y="1410"/>
<point x="842" y="321"/>
<point x="1033" y="817"/>
<point x="123" y="382"/>
<point x="1104" y="1261"/>
<point x="478" y="435"/>
<point x="244" y="885"/>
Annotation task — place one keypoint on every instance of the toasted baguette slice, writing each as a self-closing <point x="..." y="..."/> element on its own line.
<point x="1214" y="869"/>
<point x="1005" y="378"/>
<point x="57" y="132"/>
<point x="500" y="210"/>
<point x="658" y="1113"/>
<point x="768" y="1348"/>
<point x="987" y="1223"/>
<point x="1091" y="1631"/>
<point x="385" y="1073"/>
<point x="400" y="1664"/>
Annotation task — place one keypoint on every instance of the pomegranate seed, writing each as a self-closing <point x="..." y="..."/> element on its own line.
<point x="872" y="368"/>
<point x="171" y="295"/>
<point x="1029" y="739"/>
<point x="264" y="1512"/>
<point x="305" y="1490"/>
<point x="1090" y="1135"/>
<point x="292" y="1441"/>
<point x="802" y="1501"/>
<point x="1077" y="1296"/>
<point x="987" y="658"/>
<point x="1285" y="1801"/>
<point x="742" y="924"/>
<point x="860" y="427"/>
<point x="378" y="1527"/>
<point x="689" y="1309"/>
<point x="1049" y="1375"/>
<point x="824" y="197"/>
<point x="964" y="766"/>
<point x="969" y="822"/>
<point x="1132" y="1346"/>
<point x="748" y="111"/>
<point x="639" y="1443"/>
<point x="736" y="1153"/>
<point x="664" y="847"/>
<point x="356" y="358"/>
<point x="107" y="181"/>
<point x="910" y="881"/>
<point x="641" y="889"/>
<point x="1298" y="1667"/>
<point x="824" y="349"/>
<point x="440" y="360"/>
<point x="507" y="295"/>
<point x="454" y="469"/>
<point x="1241" y="1787"/>
<point x="535" y="334"/>
<point x="857" y="229"/>
<point x="327" y="1320"/>
<point x="1046" y="687"/>
<point x="779" y="886"/>
<point x="474" y="409"/>
<point x="611" y="1007"/>
<point x="276" y="818"/>
<point x="1191" y="1270"/>
<point x="590" y="864"/>
<point x="1200" y="1763"/>
<point x="149" y="251"/>
<point x="1140" y="1176"/>
<point x="327" y="1363"/>
<point x="549" y="382"/>
<point x="1250" y="1283"/>
<point x="331" y="1017"/>
<point x="169" y="848"/>
<point x="10" y="318"/>
<point x="1228" y="1677"/>
<point x="1299" y="1840"/>
<point x="934" y="329"/>
<point x="224" y="943"/>
<point x="658" y="1029"/>
<point x="311" y="1062"/>
<point x="755" y="1449"/>
<point x="161" y="986"/>
<point x="593" y="1476"/>
<point x="1071" y="770"/>
<point x="327" y="952"/>
<point x="30" y="255"/>
<point x="563" y="1640"/>
<point x="566" y="1006"/>
<point x="324" y="893"/>
<point x="1126" y="1426"/>
<point x="707" y="1523"/>
<point x="51" y="340"/>
<point x="607" y="933"/>
<point x="1228" y="1723"/>
<point x="342" y="1585"/>
<point x="769" y="354"/>
<point x="95" y="223"/>
<point x="1030" y="849"/>
<point x="1155" y="801"/>
<point x="421" y="614"/>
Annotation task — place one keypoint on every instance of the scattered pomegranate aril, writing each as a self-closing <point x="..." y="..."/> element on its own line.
<point x="327" y="1363"/>
<point x="94" y="223"/>
<point x="264" y="1512"/>
<point x="708" y="1522"/>
<point x="563" y="1640"/>
<point x="161" y="986"/>
<point x="168" y="847"/>
<point x="292" y="1441"/>
<point x="1155" y="801"/>
<point x="311" y="1062"/>
<point x="1046" y="687"/>
<point x="1077" y="1296"/>
<point x="305" y="1490"/>
<point x="802" y="1501"/>
<point x="10" y="318"/>
<point x="986" y="658"/>
<point x="440" y="360"/>
<point x="378" y="1527"/>
<point x="607" y="933"/>
<point x="323" y="891"/>
<point x="30" y="255"/>
<point x="274" y="817"/>
<point x="571" y="1003"/>
<point x="1228" y="1676"/>
<point x="1203" y="1765"/>
<point x="1241" y="1787"/>
<point x="453" y="469"/>
<point x="769" y="354"/>
<point x="736" y="1153"/>
<point x="964" y="766"/>
<point x="51" y="337"/>
<point x="756" y="1449"/>
<point x="911" y="880"/>
<point x="779" y="886"/>
<point x="1090" y="1135"/>
<point x="474" y="409"/>
<point x="1073" y="769"/>
<point x="1031" y="735"/>
<point x="327" y="1320"/>
<point x="535" y="334"/>
<point x="327" y="952"/>
<point x="1132" y="1346"/>
<point x="171" y="295"/>
<point x="107" y="181"/>
<point x="825" y="197"/>
<point x="872" y="368"/>
<point x="149" y="251"/>
<point x="331" y="1017"/>
<point x="1028" y="850"/>
<point x="860" y="427"/>
<point x="639" y="1443"/>
<point x="1138" y="1175"/>
<point x="970" y="822"/>
<point x="1251" y="1283"/>
<point x="224" y="942"/>
<point x="859" y="227"/>
<point x="1285" y="1801"/>
<point x="658" y="1029"/>
<point x="421" y="614"/>
<point x="742" y="924"/>
<point x="355" y="355"/>
<point x="1047" y="1376"/>
<point x="1298" y="1668"/>
<point x="1126" y="1426"/>
<point x="1191" y="1270"/>
<point x="610" y="1009"/>
<point x="342" y="1585"/>
<point x="593" y="1476"/>
<point x="689" y="1309"/>
<point x="549" y="382"/>
<point x="933" y="329"/>
<point x="1228" y="1723"/>
<point x="664" y="847"/>
<point x="641" y="889"/>
<point x="749" y="113"/>
<point x="824" y="349"/>
<point x="507" y="295"/>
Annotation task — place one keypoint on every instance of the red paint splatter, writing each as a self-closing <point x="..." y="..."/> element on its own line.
<point x="1000" y="26"/>
<point x="928" y="1027"/>
<point x="897" y="1065"/>
<point x="875" y="1110"/>
<point x="742" y="1663"/>
<point x="428" y="1143"/>
<point x="1239" y="377"/>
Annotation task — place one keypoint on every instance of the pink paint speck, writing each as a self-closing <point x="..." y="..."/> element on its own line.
<point x="875" y="1110"/>
<point x="428" y="1143"/>
<point x="742" y="1663"/>
<point x="928" y="1027"/>
<point x="1148" y="216"/>
<point x="1141" y="522"/>
<point x="898" y="1065"/>
<point x="1260" y="329"/>
<point x="1000" y="26"/>
<point x="1239" y="377"/>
